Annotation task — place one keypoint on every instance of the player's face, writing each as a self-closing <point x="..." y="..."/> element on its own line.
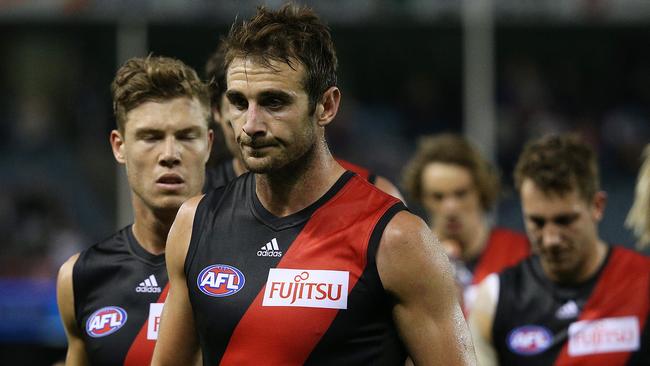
<point x="165" y="147"/>
<point x="222" y="117"/>
<point x="452" y="200"/>
<point x="562" y="229"/>
<point x="269" y="110"/>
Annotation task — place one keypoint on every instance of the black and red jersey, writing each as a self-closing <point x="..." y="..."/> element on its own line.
<point x="222" y="173"/>
<point x="119" y="290"/>
<point x="300" y="289"/>
<point x="603" y="321"/>
<point x="504" y="248"/>
<point x="359" y="170"/>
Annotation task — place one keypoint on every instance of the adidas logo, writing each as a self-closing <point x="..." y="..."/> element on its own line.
<point x="568" y="310"/>
<point x="270" y="249"/>
<point x="149" y="285"/>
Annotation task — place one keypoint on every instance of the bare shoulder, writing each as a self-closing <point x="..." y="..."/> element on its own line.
<point x="65" y="294"/>
<point x="407" y="232"/>
<point x="388" y="187"/>
<point x="64" y="277"/>
<point x="188" y="208"/>
<point x="178" y="240"/>
<point x="409" y="247"/>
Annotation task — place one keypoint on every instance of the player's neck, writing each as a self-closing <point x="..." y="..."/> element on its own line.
<point x="297" y="186"/>
<point x="474" y="247"/>
<point x="151" y="228"/>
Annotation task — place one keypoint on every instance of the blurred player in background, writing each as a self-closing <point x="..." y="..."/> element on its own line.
<point x="221" y="172"/>
<point x="111" y="295"/>
<point x="638" y="219"/>
<point x="458" y="188"/>
<point x="578" y="300"/>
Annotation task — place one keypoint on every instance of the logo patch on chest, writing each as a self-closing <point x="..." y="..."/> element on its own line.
<point x="307" y="288"/>
<point x="220" y="280"/>
<point x="529" y="340"/>
<point x="105" y="321"/>
<point x="604" y="335"/>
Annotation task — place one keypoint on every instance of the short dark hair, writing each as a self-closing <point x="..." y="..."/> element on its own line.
<point x="215" y="73"/>
<point x="154" y="78"/>
<point x="558" y="164"/>
<point x="452" y="149"/>
<point x="288" y="34"/>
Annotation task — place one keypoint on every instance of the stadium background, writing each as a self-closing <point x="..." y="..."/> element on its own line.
<point x="499" y="71"/>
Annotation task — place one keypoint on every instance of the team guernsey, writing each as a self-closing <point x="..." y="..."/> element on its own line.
<point x="504" y="249"/>
<point x="220" y="174"/>
<point x="300" y="289"/>
<point x="119" y="290"/>
<point x="602" y="322"/>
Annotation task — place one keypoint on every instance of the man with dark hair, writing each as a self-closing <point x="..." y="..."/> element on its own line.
<point x="458" y="188"/>
<point x="577" y="301"/>
<point x="221" y="172"/>
<point x="111" y="295"/>
<point x="352" y="278"/>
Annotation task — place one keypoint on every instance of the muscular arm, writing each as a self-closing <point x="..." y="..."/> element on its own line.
<point x="177" y="342"/>
<point x="415" y="271"/>
<point x="481" y="319"/>
<point x="388" y="187"/>
<point x="76" y="355"/>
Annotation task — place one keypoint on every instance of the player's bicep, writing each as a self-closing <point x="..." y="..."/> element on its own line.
<point x="177" y="343"/>
<point x="414" y="269"/>
<point x="76" y="353"/>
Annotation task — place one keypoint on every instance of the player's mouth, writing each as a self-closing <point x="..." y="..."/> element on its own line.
<point x="453" y="225"/>
<point x="170" y="181"/>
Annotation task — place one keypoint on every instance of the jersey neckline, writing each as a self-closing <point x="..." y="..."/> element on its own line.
<point x="568" y="292"/>
<point x="281" y="223"/>
<point x="139" y="252"/>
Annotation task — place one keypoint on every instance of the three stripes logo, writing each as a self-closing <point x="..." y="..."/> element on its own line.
<point x="149" y="285"/>
<point x="270" y="249"/>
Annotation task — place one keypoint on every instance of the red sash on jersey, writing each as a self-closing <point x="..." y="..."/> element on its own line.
<point x="141" y="350"/>
<point x="505" y="248"/>
<point x="362" y="172"/>
<point x="335" y="238"/>
<point x="622" y="290"/>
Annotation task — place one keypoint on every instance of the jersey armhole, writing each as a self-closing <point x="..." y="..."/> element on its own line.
<point x="197" y="224"/>
<point x="375" y="238"/>
<point x="77" y="275"/>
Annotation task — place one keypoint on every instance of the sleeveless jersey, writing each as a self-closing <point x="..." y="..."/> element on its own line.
<point x="300" y="289"/>
<point x="600" y="322"/>
<point x="504" y="248"/>
<point x="219" y="175"/>
<point x="222" y="173"/>
<point x="361" y="171"/>
<point x="119" y="289"/>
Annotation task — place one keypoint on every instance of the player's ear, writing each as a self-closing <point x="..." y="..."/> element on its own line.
<point x="117" y="144"/>
<point x="328" y="106"/>
<point x="210" y="141"/>
<point x="598" y="205"/>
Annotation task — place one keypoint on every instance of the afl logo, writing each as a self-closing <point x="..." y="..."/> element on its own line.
<point x="529" y="340"/>
<point x="105" y="321"/>
<point x="220" y="280"/>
